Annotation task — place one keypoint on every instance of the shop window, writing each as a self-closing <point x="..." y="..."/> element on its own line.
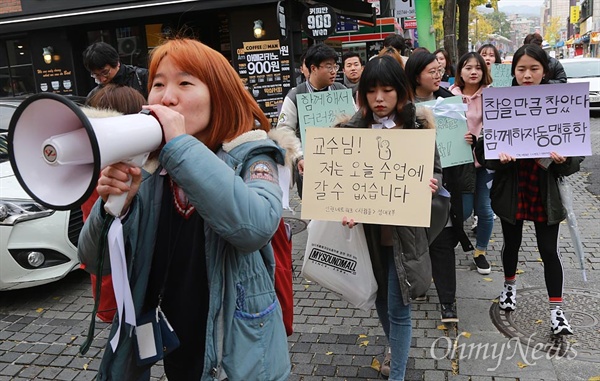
<point x="127" y="40"/>
<point x="16" y="69"/>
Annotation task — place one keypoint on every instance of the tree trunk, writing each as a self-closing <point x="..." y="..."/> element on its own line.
<point x="449" y="23"/>
<point x="463" y="26"/>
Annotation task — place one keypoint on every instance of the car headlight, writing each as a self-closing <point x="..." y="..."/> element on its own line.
<point x="14" y="211"/>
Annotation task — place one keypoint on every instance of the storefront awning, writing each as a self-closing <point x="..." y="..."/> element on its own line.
<point x="356" y="9"/>
<point x="20" y="23"/>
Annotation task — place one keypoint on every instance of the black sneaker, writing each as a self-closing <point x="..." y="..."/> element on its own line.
<point x="449" y="313"/>
<point x="483" y="267"/>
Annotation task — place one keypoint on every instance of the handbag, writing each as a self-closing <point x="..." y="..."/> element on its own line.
<point x="440" y="212"/>
<point x="337" y="258"/>
<point x="154" y="337"/>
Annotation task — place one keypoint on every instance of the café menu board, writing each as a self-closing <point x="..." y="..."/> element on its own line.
<point x="59" y="81"/>
<point x="264" y="67"/>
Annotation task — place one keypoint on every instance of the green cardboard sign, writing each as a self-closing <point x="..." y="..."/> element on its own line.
<point x="323" y="109"/>
<point x="450" y="129"/>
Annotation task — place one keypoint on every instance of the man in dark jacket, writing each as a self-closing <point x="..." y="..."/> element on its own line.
<point x="102" y="61"/>
<point x="557" y="72"/>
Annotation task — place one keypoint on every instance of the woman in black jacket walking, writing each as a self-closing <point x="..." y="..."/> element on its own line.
<point x="527" y="189"/>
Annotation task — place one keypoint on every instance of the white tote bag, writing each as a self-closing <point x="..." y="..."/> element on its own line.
<point x="337" y="258"/>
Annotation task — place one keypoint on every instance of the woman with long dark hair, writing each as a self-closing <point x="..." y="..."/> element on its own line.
<point x="386" y="100"/>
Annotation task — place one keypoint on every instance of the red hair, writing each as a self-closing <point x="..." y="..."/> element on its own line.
<point x="233" y="110"/>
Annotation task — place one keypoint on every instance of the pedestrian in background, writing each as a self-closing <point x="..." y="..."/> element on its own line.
<point x="472" y="77"/>
<point x="527" y="190"/>
<point x="198" y="226"/>
<point x="490" y="54"/>
<point x="556" y="71"/>
<point x="449" y="69"/>
<point x="386" y="98"/>
<point x="352" y="65"/>
<point x="424" y="73"/>
<point x="109" y="101"/>
<point x="397" y="42"/>
<point x="104" y="65"/>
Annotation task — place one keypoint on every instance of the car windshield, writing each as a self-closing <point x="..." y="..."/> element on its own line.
<point x="582" y="69"/>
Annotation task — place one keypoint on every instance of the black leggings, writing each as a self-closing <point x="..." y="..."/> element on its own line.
<point x="547" y="241"/>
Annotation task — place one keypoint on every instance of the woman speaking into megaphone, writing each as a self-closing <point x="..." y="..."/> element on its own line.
<point x="196" y="230"/>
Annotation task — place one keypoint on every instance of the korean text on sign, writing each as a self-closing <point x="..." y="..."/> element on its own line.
<point x="323" y="109"/>
<point x="372" y="176"/>
<point x="533" y="121"/>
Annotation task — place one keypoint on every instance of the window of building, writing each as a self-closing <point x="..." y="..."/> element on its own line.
<point x="16" y="69"/>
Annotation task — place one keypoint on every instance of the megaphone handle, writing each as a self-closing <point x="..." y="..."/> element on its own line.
<point x="115" y="203"/>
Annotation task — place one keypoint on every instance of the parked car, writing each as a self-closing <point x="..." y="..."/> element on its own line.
<point x="585" y="70"/>
<point x="37" y="244"/>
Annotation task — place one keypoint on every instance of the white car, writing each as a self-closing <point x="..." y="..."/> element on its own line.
<point x="37" y="245"/>
<point x="585" y="70"/>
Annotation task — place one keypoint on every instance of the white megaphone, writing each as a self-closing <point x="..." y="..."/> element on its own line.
<point x="57" y="152"/>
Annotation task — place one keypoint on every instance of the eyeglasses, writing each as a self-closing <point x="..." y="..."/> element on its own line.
<point x="436" y="73"/>
<point x="331" y="69"/>
<point x="104" y="73"/>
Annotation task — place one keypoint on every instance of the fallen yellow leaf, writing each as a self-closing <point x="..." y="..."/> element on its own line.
<point x="495" y="300"/>
<point x="519" y="271"/>
<point x="328" y="353"/>
<point x="521" y="365"/>
<point x="362" y="336"/>
<point x="595" y="378"/>
<point x="442" y="327"/>
<point x="539" y="321"/>
<point x="85" y="366"/>
<point x="364" y="343"/>
<point x="39" y="310"/>
<point x="488" y="279"/>
<point x="375" y="364"/>
<point x="466" y="334"/>
<point x="539" y="260"/>
<point x="306" y="286"/>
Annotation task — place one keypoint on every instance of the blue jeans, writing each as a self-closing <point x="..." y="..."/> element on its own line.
<point x="395" y="318"/>
<point x="480" y="201"/>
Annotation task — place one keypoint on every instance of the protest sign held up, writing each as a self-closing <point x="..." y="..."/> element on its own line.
<point x="501" y="75"/>
<point x="450" y="128"/>
<point x="533" y="121"/>
<point x="372" y="176"/>
<point x="323" y="109"/>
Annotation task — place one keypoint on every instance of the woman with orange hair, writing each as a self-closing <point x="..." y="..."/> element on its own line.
<point x="197" y="226"/>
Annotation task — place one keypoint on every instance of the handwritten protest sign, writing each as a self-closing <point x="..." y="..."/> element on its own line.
<point x="323" y="109"/>
<point x="532" y="121"/>
<point x="372" y="176"/>
<point x="450" y="128"/>
<point x="501" y="75"/>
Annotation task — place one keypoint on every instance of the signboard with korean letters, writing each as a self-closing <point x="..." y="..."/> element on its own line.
<point x="533" y="121"/>
<point x="370" y="175"/>
<point x="323" y="109"/>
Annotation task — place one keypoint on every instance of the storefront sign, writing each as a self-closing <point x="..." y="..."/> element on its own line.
<point x="319" y="21"/>
<point x="405" y="8"/>
<point x="59" y="81"/>
<point x="264" y="67"/>
<point x="410" y="23"/>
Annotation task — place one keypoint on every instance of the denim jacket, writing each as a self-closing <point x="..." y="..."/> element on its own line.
<point x="245" y="335"/>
